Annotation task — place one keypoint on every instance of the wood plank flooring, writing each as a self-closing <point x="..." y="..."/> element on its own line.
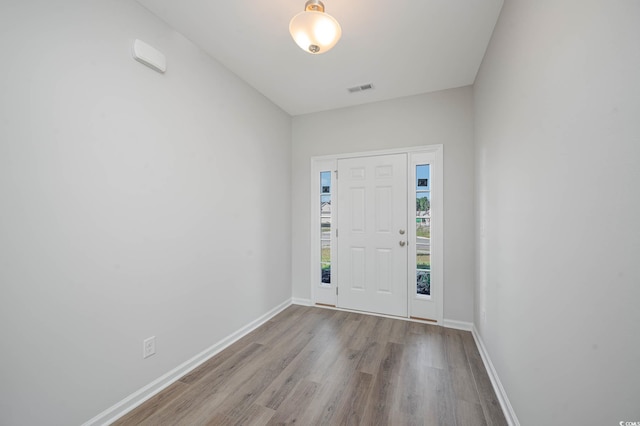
<point x="314" y="366"/>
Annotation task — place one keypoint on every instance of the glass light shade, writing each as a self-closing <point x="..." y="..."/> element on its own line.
<point x="315" y="32"/>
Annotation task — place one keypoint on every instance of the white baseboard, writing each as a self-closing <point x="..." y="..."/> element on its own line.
<point x="118" y="410"/>
<point x="301" y="302"/>
<point x="458" y="325"/>
<point x="507" y="409"/>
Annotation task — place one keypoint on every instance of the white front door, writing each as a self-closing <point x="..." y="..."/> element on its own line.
<point x="372" y="239"/>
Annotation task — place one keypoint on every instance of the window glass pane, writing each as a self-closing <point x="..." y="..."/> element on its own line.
<point x="423" y="282"/>
<point x="326" y="251"/>
<point x="325" y="182"/>
<point x="423" y="257"/>
<point x="326" y="273"/>
<point x="423" y="204"/>
<point x="325" y="228"/>
<point x="326" y="261"/>
<point x="325" y="205"/>
<point x="423" y="261"/>
<point x="423" y="264"/>
<point x="423" y="179"/>
<point x="423" y="229"/>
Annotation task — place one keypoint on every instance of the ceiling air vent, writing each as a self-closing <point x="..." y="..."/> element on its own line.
<point x="355" y="89"/>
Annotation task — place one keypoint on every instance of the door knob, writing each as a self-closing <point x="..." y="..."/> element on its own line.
<point x="402" y="232"/>
<point x="402" y="243"/>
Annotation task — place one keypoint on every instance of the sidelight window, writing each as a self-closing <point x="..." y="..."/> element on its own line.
<point x="423" y="229"/>
<point x="325" y="227"/>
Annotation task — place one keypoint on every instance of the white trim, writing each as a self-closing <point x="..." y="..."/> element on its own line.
<point x="437" y="150"/>
<point x="507" y="409"/>
<point x="420" y="306"/>
<point x="458" y="325"/>
<point x="420" y="148"/>
<point x="321" y="293"/>
<point x="132" y="401"/>
<point x="301" y="302"/>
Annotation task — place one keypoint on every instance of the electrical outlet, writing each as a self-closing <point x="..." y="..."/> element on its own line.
<point x="148" y="347"/>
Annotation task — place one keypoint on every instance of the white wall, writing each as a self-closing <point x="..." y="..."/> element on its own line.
<point x="438" y="118"/>
<point x="557" y="105"/>
<point x="132" y="204"/>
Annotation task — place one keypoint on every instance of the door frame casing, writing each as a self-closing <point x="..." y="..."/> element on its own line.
<point x="323" y="295"/>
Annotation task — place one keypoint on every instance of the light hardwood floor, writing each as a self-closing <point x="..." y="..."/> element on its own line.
<point x="314" y="366"/>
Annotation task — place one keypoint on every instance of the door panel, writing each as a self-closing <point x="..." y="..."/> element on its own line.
<point x="358" y="209"/>
<point x="383" y="276"/>
<point x="358" y="268"/>
<point x="372" y="224"/>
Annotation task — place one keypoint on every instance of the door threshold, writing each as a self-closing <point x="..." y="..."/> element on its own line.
<point x="424" y="319"/>
<point x="375" y="314"/>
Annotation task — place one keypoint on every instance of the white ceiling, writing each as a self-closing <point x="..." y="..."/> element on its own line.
<point x="403" y="47"/>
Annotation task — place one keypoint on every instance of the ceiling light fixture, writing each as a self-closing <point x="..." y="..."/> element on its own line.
<point x="313" y="30"/>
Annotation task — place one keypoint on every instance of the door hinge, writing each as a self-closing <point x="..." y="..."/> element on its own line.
<point x="336" y="291"/>
<point x="336" y="174"/>
<point x="336" y="232"/>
